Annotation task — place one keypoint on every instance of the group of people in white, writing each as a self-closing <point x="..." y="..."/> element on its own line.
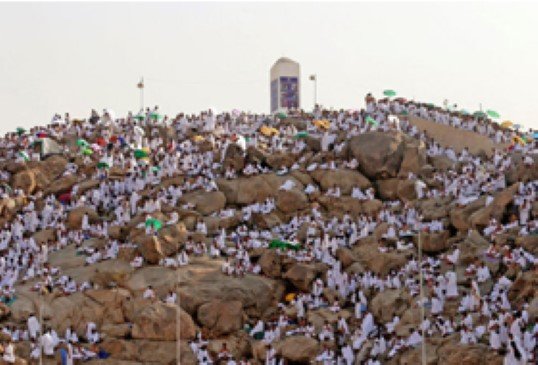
<point x="484" y="312"/>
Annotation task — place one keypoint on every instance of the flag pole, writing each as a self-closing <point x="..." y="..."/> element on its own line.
<point x="423" y="346"/>
<point x="140" y="85"/>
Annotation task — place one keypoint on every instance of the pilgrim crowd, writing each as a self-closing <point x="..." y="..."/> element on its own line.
<point x="484" y="312"/>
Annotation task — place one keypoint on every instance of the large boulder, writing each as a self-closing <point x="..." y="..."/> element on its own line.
<point x="388" y="188"/>
<point x="74" y="217"/>
<point x="205" y="202"/>
<point x="433" y="242"/>
<point x="381" y="263"/>
<point x="459" y="216"/>
<point x="151" y="249"/>
<point x="345" y="179"/>
<point x="414" y="157"/>
<point x="290" y="201"/>
<point x="379" y="154"/>
<point x="388" y="303"/>
<point x="63" y="184"/>
<point x="25" y="180"/>
<point x="406" y="190"/>
<point x="245" y="191"/>
<point x="298" y="349"/>
<point x="234" y="157"/>
<point x="496" y="209"/>
<point x="341" y="205"/>
<point x="301" y="276"/>
<point x="159" y="321"/>
<point x="270" y="263"/>
<point x="221" y="317"/>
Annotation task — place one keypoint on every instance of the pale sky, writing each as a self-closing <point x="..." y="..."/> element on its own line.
<point x="71" y="57"/>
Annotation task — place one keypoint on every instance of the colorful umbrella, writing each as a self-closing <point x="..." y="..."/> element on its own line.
<point x="479" y="114"/>
<point x="141" y="153"/>
<point x="82" y="143"/>
<point x="139" y="117"/>
<point x="268" y="131"/>
<point x="519" y="140"/>
<point x="87" y="152"/>
<point x="301" y="135"/>
<point x="24" y="155"/>
<point x="493" y="114"/>
<point x="507" y="124"/>
<point x="282" y="115"/>
<point x="389" y="93"/>
<point x="155" y="116"/>
<point x="20" y="130"/>
<point x="371" y="121"/>
<point x="284" y="245"/>
<point x="154" y="223"/>
<point x="42" y="135"/>
<point x="156" y="168"/>
<point x="103" y="165"/>
<point x="322" y="124"/>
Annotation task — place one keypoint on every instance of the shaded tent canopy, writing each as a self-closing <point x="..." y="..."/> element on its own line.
<point x="47" y="146"/>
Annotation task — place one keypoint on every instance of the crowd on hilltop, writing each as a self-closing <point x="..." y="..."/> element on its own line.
<point x="151" y="148"/>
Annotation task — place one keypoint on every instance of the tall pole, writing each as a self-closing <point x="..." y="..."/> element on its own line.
<point x="141" y="87"/>
<point x="314" y="78"/>
<point x="40" y="308"/>
<point x="423" y="345"/>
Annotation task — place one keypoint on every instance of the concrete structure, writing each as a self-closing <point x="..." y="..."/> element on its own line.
<point x="285" y="85"/>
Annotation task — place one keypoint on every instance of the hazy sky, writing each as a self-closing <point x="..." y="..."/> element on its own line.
<point x="70" y="57"/>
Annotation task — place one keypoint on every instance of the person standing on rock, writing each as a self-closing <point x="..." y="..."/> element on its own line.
<point x="33" y="326"/>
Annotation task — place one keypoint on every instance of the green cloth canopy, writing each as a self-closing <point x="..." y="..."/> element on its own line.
<point x="82" y="143"/>
<point x="371" y="121"/>
<point x="24" y="155"/>
<point x="141" y="154"/>
<point x="493" y="114"/>
<point x="103" y="165"/>
<point x="155" y="116"/>
<point x="154" y="223"/>
<point x="389" y="93"/>
<point x="479" y="114"/>
<point x="301" y="135"/>
<point x="284" y="245"/>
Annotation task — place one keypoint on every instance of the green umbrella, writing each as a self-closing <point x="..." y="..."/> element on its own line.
<point x="103" y="165"/>
<point x="284" y="245"/>
<point x="155" y="116"/>
<point x="20" y="130"/>
<point x="371" y="121"/>
<point x="140" y="117"/>
<point x="82" y="143"/>
<point x="301" y="135"/>
<point x="155" y="223"/>
<point x="389" y="93"/>
<point x="464" y="112"/>
<point x="281" y="115"/>
<point x="87" y="151"/>
<point x="156" y="168"/>
<point x="479" y="114"/>
<point x="24" y="155"/>
<point x="141" y="153"/>
<point x="493" y="114"/>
